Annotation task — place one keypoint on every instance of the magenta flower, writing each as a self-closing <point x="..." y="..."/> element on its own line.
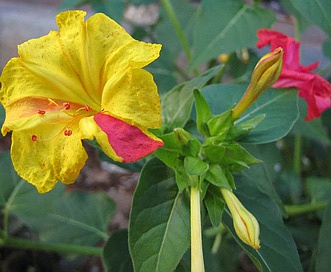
<point x="313" y="88"/>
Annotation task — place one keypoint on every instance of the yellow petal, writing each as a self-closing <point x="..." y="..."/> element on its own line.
<point x="133" y="98"/>
<point x="45" y="69"/>
<point x="44" y="162"/>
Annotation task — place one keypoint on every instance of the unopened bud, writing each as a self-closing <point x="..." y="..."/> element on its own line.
<point x="265" y="74"/>
<point x="182" y="136"/>
<point x="245" y="224"/>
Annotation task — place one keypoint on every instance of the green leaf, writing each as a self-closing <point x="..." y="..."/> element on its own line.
<point x="319" y="189"/>
<point x="159" y="220"/>
<point x="235" y="28"/>
<point x="313" y="129"/>
<point x="279" y="107"/>
<point x="216" y="176"/>
<point x="64" y="216"/>
<point x="177" y="104"/>
<point x="316" y="11"/>
<point x="301" y="21"/>
<point x="112" y="8"/>
<point x="59" y="216"/>
<point x="215" y="205"/>
<point x="165" y="68"/>
<point x="278" y="251"/>
<point x="327" y="48"/>
<point x="202" y="112"/>
<point x="265" y="174"/>
<point x="183" y="179"/>
<point x="116" y="255"/>
<point x="324" y="243"/>
<point x="70" y="4"/>
<point x="9" y="180"/>
<point x="142" y="2"/>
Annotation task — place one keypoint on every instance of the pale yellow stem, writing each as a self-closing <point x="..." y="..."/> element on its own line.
<point x="197" y="264"/>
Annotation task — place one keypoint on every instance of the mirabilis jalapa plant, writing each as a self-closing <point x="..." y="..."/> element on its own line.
<point x="53" y="100"/>
<point x="86" y="82"/>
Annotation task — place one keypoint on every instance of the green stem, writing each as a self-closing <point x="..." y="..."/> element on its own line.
<point x="197" y="264"/>
<point x="13" y="242"/>
<point x="293" y="210"/>
<point x="177" y="27"/>
<point x="297" y="154"/>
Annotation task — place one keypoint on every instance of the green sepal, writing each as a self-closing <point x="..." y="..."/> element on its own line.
<point x="220" y="124"/>
<point x="230" y="178"/>
<point x="192" y="148"/>
<point x="182" y="136"/>
<point x="217" y="176"/>
<point x="195" y="166"/>
<point x="231" y="154"/>
<point x="214" y="152"/>
<point x="238" y="157"/>
<point x="243" y="128"/>
<point x="203" y="113"/>
<point x="168" y="154"/>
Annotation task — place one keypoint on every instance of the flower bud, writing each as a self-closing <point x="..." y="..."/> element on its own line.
<point x="245" y="224"/>
<point x="265" y="74"/>
<point x="182" y="136"/>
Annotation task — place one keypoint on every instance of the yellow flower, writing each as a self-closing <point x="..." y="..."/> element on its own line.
<point x="84" y="81"/>
<point x="244" y="223"/>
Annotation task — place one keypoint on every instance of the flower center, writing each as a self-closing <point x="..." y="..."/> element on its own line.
<point x="63" y="113"/>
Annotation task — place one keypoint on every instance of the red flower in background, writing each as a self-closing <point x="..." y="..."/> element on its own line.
<point x="313" y="88"/>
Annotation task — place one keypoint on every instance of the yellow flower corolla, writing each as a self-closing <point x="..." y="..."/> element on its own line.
<point x="84" y="81"/>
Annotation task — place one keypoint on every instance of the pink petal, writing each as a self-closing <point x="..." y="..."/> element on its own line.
<point x="128" y="141"/>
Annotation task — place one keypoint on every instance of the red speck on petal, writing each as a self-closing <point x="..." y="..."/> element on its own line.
<point x="67" y="132"/>
<point x="66" y="105"/>
<point x="41" y="112"/>
<point x="34" y="138"/>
